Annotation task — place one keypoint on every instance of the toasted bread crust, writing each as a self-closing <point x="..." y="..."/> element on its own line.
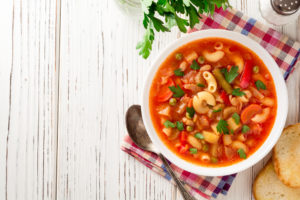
<point x="254" y="186"/>
<point x="267" y="186"/>
<point x="279" y="167"/>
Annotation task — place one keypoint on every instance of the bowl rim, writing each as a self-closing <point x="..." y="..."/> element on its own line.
<point x="282" y="103"/>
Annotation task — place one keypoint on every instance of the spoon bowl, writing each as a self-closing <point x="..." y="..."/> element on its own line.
<point x="136" y="129"/>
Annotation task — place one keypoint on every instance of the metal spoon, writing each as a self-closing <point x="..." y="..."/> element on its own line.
<point x="137" y="132"/>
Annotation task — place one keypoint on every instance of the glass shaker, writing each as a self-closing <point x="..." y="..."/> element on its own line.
<point x="279" y="12"/>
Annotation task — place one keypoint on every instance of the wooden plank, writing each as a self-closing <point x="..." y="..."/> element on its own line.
<point x="28" y="100"/>
<point x="6" y="19"/>
<point x="101" y="75"/>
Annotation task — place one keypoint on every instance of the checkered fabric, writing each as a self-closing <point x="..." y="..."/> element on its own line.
<point x="201" y="187"/>
<point x="284" y="50"/>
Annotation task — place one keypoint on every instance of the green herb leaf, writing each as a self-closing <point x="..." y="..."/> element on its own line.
<point x="222" y="127"/>
<point x="195" y="65"/>
<point x="218" y="110"/>
<point x="223" y="70"/>
<point x="178" y="72"/>
<point x="145" y="46"/>
<point x="169" y="124"/>
<point x="260" y="85"/>
<point x="191" y="111"/>
<point x="170" y="21"/>
<point x="170" y="12"/>
<point x="158" y="24"/>
<point x="237" y="92"/>
<point x="200" y="85"/>
<point x="179" y="126"/>
<point x="193" y="15"/>
<point x="236" y="118"/>
<point x="231" y="131"/>
<point x="181" y="23"/>
<point x="199" y="136"/>
<point x="193" y="150"/>
<point x="245" y="129"/>
<point x="232" y="74"/>
<point x="177" y="91"/>
<point x="242" y="153"/>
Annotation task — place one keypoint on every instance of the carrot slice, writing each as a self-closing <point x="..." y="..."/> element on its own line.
<point x="249" y="112"/>
<point x="165" y="93"/>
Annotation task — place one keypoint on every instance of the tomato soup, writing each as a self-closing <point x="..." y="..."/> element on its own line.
<point x="213" y="102"/>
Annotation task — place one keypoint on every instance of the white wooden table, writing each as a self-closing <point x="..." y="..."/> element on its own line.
<point x="66" y="81"/>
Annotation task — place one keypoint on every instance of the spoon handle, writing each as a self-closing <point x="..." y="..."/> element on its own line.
<point x="186" y="195"/>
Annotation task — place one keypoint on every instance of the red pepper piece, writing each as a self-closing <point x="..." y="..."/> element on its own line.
<point x="225" y="97"/>
<point x="246" y="75"/>
<point x="183" y="137"/>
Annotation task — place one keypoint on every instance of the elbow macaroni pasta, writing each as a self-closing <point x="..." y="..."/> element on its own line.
<point x="213" y="56"/>
<point x="200" y="99"/>
<point x="211" y="81"/>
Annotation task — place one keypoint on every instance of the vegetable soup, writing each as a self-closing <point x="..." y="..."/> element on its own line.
<point x="213" y="102"/>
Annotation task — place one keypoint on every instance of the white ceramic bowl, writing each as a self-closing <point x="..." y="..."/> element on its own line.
<point x="282" y="102"/>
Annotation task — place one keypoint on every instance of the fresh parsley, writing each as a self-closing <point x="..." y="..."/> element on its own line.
<point x="216" y="111"/>
<point x="193" y="150"/>
<point x="242" y="153"/>
<point x="199" y="136"/>
<point x="200" y="85"/>
<point x="169" y="124"/>
<point x="190" y="111"/>
<point x="222" y="127"/>
<point x="231" y="75"/>
<point x="170" y="11"/>
<point x="236" y="118"/>
<point x="260" y="85"/>
<point x="179" y="126"/>
<point x="177" y="91"/>
<point x="178" y="72"/>
<point x="195" y="65"/>
<point x="237" y="92"/>
<point x="245" y="129"/>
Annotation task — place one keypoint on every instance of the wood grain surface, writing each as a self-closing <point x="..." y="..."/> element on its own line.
<point x="68" y="72"/>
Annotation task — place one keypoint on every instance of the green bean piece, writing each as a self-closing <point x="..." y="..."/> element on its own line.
<point x="221" y="80"/>
<point x="172" y="102"/>
<point x="255" y="69"/>
<point x="178" y="56"/>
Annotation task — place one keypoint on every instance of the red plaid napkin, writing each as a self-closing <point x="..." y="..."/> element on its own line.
<point x="286" y="53"/>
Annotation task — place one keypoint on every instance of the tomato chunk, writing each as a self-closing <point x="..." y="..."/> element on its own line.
<point x="165" y="93"/>
<point x="249" y="112"/>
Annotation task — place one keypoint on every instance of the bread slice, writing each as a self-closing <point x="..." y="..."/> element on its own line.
<point x="267" y="186"/>
<point x="286" y="157"/>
